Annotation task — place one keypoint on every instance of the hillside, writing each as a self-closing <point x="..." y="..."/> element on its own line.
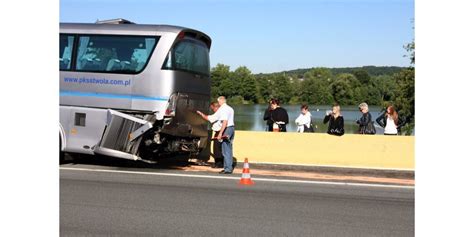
<point x="371" y="70"/>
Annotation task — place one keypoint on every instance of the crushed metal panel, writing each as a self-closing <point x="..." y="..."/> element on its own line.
<point x="121" y="137"/>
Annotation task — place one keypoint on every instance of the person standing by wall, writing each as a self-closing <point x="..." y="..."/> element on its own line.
<point x="366" y="125"/>
<point x="304" y="120"/>
<point x="390" y="121"/>
<point x="336" y="121"/>
<point x="267" y="116"/>
<point x="227" y="130"/>
<point x="277" y="116"/>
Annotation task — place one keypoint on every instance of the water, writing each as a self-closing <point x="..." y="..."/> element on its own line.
<point x="250" y="117"/>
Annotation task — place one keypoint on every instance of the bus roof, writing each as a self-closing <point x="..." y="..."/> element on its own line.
<point x="139" y="29"/>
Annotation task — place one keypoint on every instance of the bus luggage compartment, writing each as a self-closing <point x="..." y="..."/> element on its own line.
<point x="122" y="135"/>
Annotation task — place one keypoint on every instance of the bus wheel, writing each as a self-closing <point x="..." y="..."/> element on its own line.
<point x="61" y="153"/>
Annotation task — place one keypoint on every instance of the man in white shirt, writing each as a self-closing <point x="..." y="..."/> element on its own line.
<point x="225" y="113"/>
<point x="216" y="123"/>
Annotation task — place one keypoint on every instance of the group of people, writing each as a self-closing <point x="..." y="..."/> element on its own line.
<point x="222" y="121"/>
<point x="389" y="120"/>
<point x="277" y="119"/>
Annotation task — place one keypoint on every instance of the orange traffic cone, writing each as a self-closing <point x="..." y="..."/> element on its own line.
<point x="246" y="180"/>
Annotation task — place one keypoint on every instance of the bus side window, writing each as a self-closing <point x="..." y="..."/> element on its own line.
<point x="65" y="51"/>
<point x="110" y="53"/>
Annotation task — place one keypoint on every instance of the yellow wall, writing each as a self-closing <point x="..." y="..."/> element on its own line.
<point x="350" y="150"/>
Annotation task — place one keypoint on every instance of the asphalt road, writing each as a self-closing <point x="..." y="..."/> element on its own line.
<point x="133" y="204"/>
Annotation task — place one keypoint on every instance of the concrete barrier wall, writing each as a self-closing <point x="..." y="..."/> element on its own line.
<point x="350" y="150"/>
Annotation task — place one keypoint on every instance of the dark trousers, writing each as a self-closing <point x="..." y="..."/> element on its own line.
<point x="217" y="147"/>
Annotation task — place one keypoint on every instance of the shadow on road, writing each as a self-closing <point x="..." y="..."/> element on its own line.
<point x="176" y="162"/>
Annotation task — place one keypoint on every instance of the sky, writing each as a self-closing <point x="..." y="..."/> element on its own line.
<point x="273" y="36"/>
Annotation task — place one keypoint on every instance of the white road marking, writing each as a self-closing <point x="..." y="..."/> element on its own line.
<point x="238" y="178"/>
<point x="332" y="166"/>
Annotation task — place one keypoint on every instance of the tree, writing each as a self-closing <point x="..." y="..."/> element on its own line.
<point x="346" y="89"/>
<point x="226" y="88"/>
<point x="342" y="91"/>
<point x="219" y="73"/>
<point x="281" y="88"/>
<point x="350" y="86"/>
<point x="315" y="87"/>
<point x="245" y="84"/>
<point x="314" y="91"/>
<point x="320" y="73"/>
<point x="263" y="88"/>
<point x="363" y="76"/>
<point x="410" y="48"/>
<point x="385" y="86"/>
<point x="404" y="96"/>
<point x="308" y="91"/>
<point x="295" y="84"/>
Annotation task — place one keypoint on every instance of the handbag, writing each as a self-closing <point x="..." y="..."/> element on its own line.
<point x="310" y="128"/>
<point x="370" y="128"/>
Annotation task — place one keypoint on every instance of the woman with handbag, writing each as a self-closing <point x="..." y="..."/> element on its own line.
<point x="366" y="125"/>
<point x="276" y="116"/>
<point x="304" y="120"/>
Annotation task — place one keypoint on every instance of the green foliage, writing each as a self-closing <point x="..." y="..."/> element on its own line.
<point x="281" y="88"/>
<point x="236" y="100"/>
<point x="404" y="100"/>
<point x="227" y="88"/>
<point x="371" y="70"/>
<point x="385" y="86"/>
<point x="342" y="92"/>
<point x="294" y="100"/>
<point x="410" y="48"/>
<point x="322" y="74"/>
<point x="363" y="76"/>
<point x="404" y="93"/>
<point x="314" y="91"/>
<point x="219" y="74"/>
<point x="350" y="86"/>
<point x="245" y="84"/>
<point x="263" y="88"/>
